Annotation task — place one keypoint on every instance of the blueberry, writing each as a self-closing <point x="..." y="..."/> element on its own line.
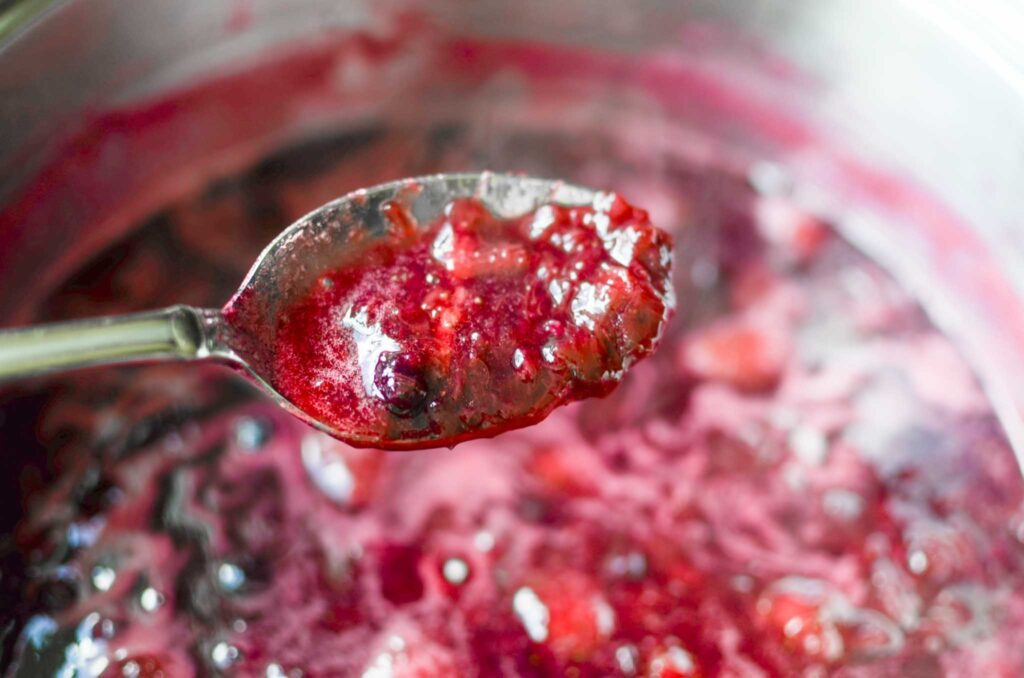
<point x="402" y="385"/>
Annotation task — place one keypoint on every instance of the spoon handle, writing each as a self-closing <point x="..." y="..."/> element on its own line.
<point x="173" y="333"/>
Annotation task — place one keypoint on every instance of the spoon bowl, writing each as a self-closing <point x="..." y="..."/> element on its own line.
<point x="339" y="233"/>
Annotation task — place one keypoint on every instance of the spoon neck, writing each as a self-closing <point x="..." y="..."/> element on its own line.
<point x="206" y="334"/>
<point x="172" y="333"/>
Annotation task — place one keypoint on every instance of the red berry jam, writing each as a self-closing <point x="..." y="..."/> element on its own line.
<point x="805" y="478"/>
<point x="476" y="325"/>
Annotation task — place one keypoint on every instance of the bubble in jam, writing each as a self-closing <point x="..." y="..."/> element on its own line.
<point x="475" y="324"/>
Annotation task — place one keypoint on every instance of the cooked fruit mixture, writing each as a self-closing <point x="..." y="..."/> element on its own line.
<point x="475" y="325"/>
<point x="804" y="479"/>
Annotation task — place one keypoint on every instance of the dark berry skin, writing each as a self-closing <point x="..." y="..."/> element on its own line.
<point x="402" y="385"/>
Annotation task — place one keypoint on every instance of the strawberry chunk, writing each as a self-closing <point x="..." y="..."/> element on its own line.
<point x="565" y="612"/>
<point x="746" y="354"/>
<point x="795" y="616"/>
<point x="563" y="471"/>
<point x="672" y="662"/>
<point x="148" y="665"/>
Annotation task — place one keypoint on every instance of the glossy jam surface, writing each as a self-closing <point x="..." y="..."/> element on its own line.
<point x="475" y="325"/>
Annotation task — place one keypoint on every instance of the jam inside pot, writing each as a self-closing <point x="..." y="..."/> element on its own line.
<point x="804" y="479"/>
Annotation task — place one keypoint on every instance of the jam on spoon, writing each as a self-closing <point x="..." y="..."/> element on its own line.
<point x="419" y="313"/>
<point x="476" y="324"/>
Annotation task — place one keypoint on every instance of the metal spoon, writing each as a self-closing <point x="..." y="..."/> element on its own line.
<point x="313" y="244"/>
